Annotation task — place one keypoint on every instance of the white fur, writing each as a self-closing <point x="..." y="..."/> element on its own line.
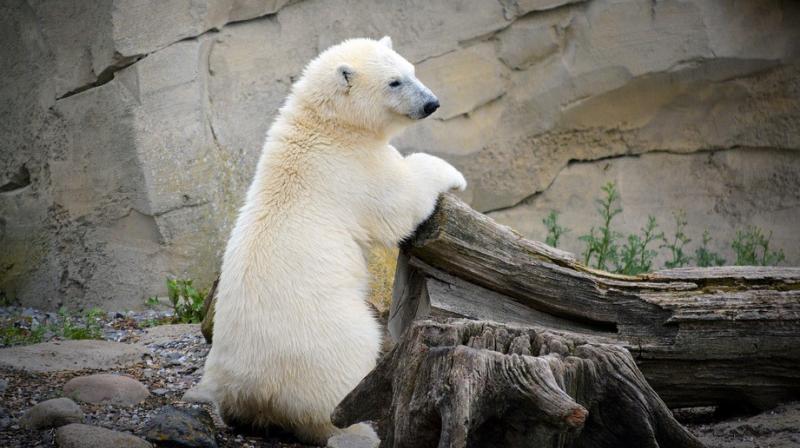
<point x="292" y="332"/>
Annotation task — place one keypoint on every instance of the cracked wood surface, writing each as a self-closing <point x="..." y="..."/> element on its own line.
<point x="701" y="336"/>
<point x="480" y="384"/>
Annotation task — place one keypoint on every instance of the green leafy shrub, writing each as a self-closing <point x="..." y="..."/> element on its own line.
<point x="554" y="230"/>
<point x="603" y="250"/>
<point x="601" y="246"/>
<point x="186" y="300"/>
<point x="634" y="256"/>
<point x="704" y="257"/>
<point x="11" y="334"/>
<point x="751" y="247"/>
<point x="92" y="328"/>
<point x="679" y="241"/>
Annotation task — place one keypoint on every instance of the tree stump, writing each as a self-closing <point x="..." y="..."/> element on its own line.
<point x="207" y="325"/>
<point x="727" y="336"/>
<point x="477" y="384"/>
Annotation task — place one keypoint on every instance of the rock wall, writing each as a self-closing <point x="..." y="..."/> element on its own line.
<point x="131" y="128"/>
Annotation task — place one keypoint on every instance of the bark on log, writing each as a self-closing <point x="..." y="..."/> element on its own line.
<point x="701" y="336"/>
<point x="473" y="384"/>
<point x="207" y="326"/>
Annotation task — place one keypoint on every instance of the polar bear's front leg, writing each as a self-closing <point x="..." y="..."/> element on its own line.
<point x="410" y="195"/>
<point x="434" y="174"/>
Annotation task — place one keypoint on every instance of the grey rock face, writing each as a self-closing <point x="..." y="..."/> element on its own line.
<point x="52" y="414"/>
<point x="86" y="436"/>
<point x="131" y="130"/>
<point x="71" y="356"/>
<point x="189" y="428"/>
<point x="106" y="389"/>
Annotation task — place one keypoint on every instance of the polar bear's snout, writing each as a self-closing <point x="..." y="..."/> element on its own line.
<point x="424" y="102"/>
<point x="430" y="107"/>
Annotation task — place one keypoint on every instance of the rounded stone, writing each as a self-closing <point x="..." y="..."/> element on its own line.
<point x="188" y="428"/>
<point x="77" y="435"/>
<point x="71" y="356"/>
<point x="52" y="414"/>
<point x="106" y="388"/>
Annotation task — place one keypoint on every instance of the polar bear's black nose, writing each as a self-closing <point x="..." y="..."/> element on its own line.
<point x="430" y="107"/>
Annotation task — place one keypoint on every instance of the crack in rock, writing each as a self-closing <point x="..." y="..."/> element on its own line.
<point x="17" y="181"/>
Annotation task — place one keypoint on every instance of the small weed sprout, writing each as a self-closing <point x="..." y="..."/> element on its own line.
<point x="751" y="247"/>
<point x="602" y="250"/>
<point x="679" y="241"/>
<point x="554" y="230"/>
<point x="28" y="333"/>
<point x="152" y="302"/>
<point x="91" y="329"/>
<point x="704" y="257"/>
<point x="187" y="301"/>
<point x="635" y="257"/>
<point x="602" y="246"/>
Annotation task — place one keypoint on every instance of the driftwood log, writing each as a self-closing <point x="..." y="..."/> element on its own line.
<point x="474" y="384"/>
<point x="727" y="336"/>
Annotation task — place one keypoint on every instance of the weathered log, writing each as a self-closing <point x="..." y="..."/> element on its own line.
<point x="701" y="336"/>
<point x="474" y="384"/>
<point x="207" y="325"/>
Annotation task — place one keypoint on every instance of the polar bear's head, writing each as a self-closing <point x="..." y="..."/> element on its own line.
<point x="365" y="83"/>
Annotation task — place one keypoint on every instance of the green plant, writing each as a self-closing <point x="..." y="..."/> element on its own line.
<point x="679" y="241"/>
<point x="12" y="334"/>
<point x="152" y="302"/>
<point x="752" y="248"/>
<point x="602" y="246"/>
<point x="92" y="328"/>
<point x="704" y="257"/>
<point x="554" y="231"/>
<point x="187" y="301"/>
<point x="634" y="256"/>
<point x="147" y="323"/>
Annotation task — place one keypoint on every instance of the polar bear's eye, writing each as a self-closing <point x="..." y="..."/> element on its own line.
<point x="395" y="83"/>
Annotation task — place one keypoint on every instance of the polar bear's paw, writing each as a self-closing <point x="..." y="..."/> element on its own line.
<point x="445" y="176"/>
<point x="458" y="182"/>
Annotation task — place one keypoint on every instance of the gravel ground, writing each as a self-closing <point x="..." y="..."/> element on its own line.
<point x="177" y="354"/>
<point x="175" y="363"/>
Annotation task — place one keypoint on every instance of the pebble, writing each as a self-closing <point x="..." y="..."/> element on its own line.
<point x="77" y="435"/>
<point x="5" y="419"/>
<point x="52" y="414"/>
<point x="175" y="427"/>
<point x="104" y="388"/>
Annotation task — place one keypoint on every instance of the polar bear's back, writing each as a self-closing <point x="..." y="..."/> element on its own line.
<point x="291" y="315"/>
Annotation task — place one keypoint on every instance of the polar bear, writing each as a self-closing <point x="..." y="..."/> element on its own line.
<point x="292" y="332"/>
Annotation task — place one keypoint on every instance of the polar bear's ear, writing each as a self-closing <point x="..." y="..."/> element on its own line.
<point x="345" y="74"/>
<point x="387" y="41"/>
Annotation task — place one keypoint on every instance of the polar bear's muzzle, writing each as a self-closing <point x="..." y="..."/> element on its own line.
<point x="430" y="107"/>
<point x="412" y="98"/>
<point x="425" y="105"/>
